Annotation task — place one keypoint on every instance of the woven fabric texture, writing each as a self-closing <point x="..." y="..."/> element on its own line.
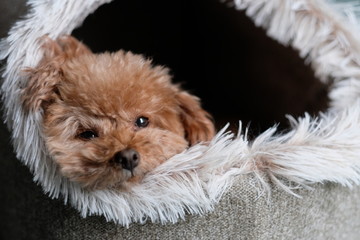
<point x="328" y="211"/>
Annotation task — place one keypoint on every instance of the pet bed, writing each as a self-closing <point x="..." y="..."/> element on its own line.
<point x="299" y="182"/>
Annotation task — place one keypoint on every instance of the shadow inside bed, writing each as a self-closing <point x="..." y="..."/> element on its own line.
<point x="217" y="53"/>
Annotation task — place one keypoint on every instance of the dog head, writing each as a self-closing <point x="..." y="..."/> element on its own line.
<point x="110" y="118"/>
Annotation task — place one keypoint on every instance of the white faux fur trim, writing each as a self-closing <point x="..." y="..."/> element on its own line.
<point x="315" y="150"/>
<point x="323" y="37"/>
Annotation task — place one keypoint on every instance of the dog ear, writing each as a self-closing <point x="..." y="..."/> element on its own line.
<point x="41" y="87"/>
<point x="197" y="122"/>
<point x="43" y="79"/>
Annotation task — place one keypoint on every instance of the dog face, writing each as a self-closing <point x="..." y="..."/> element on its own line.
<point x="110" y="118"/>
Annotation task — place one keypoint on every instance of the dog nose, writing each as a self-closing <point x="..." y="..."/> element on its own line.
<point x="128" y="158"/>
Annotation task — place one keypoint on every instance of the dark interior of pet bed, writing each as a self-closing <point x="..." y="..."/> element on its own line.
<point x="217" y="53"/>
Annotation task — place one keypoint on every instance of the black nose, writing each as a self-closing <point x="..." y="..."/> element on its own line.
<point x="128" y="158"/>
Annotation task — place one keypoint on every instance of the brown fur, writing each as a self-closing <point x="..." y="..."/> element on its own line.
<point x="105" y="93"/>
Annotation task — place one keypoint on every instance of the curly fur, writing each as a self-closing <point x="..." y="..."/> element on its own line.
<point x="104" y="95"/>
<point x="314" y="150"/>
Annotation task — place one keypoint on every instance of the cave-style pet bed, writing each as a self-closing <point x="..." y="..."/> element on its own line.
<point x="301" y="182"/>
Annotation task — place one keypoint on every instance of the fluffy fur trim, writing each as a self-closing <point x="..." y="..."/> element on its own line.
<point x="314" y="150"/>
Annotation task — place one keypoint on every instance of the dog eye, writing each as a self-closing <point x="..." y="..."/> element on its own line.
<point x="142" y="122"/>
<point x="88" y="134"/>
